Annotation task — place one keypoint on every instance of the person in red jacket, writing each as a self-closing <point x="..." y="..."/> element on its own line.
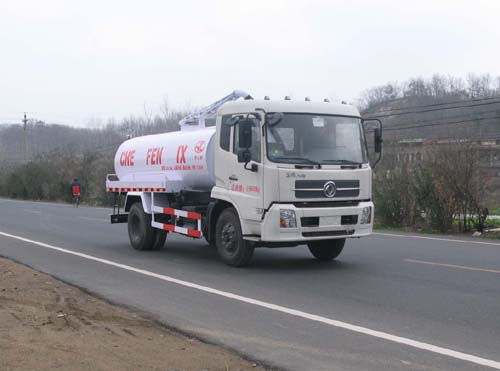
<point x="75" y="190"/>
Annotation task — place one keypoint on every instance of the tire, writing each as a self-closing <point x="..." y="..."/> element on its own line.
<point x="141" y="234"/>
<point x="231" y="247"/>
<point x="326" y="249"/>
<point x="159" y="239"/>
<point x="211" y="244"/>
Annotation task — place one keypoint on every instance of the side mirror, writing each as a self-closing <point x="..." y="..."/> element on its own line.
<point x="244" y="156"/>
<point x="378" y="140"/>
<point x="245" y="134"/>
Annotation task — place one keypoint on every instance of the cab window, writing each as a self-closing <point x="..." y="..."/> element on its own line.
<point x="225" y="133"/>
<point x="256" y="140"/>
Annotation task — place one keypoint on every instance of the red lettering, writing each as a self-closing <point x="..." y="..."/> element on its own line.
<point x="237" y="187"/>
<point x="160" y="154"/>
<point x="131" y="158"/>
<point x="181" y="154"/>
<point x="154" y="156"/>
<point x="127" y="158"/>
<point x="253" y="188"/>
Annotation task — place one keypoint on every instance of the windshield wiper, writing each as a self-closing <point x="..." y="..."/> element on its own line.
<point x="303" y="159"/>
<point x="348" y="162"/>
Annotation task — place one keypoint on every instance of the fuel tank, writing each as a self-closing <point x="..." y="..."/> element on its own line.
<point x="186" y="156"/>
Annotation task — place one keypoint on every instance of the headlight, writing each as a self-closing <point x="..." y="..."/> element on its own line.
<point x="287" y="219"/>
<point x="366" y="215"/>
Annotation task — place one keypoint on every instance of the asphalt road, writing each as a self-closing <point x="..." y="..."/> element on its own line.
<point x="391" y="302"/>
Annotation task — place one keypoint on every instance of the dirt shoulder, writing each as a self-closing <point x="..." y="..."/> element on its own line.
<point x="48" y="325"/>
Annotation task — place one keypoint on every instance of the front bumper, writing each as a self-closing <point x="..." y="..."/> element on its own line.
<point x="331" y="223"/>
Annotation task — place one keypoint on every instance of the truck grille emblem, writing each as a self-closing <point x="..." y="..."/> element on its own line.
<point x="329" y="189"/>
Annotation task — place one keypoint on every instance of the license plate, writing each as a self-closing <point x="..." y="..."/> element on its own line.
<point x="329" y="220"/>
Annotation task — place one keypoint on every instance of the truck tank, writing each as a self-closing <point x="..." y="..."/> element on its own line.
<point x="184" y="156"/>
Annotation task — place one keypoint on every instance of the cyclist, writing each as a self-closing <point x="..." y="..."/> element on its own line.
<point x="75" y="189"/>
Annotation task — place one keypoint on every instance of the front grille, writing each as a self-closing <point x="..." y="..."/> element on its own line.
<point x="300" y="184"/>
<point x="328" y="233"/>
<point x="320" y="194"/>
<point x="314" y="188"/>
<point x="351" y="203"/>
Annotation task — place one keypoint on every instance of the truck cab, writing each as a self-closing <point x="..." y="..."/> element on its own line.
<point x="295" y="172"/>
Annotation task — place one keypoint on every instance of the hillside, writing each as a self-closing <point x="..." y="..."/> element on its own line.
<point x="440" y="108"/>
<point x="17" y="145"/>
<point x="41" y="161"/>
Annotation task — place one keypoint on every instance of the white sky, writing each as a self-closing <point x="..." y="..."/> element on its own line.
<point x="74" y="62"/>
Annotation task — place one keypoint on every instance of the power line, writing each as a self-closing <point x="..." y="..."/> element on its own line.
<point x="435" y="104"/>
<point x="423" y="141"/>
<point x="468" y="115"/>
<point x="439" y="124"/>
<point x="471" y="116"/>
<point x="436" y="109"/>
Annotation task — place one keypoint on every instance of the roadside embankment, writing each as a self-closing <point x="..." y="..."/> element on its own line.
<point x="48" y="325"/>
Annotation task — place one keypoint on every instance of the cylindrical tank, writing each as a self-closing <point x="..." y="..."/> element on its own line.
<point x="185" y="156"/>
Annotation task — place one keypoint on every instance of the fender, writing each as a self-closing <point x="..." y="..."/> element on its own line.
<point x="222" y="198"/>
<point x="214" y="209"/>
<point x="222" y="195"/>
<point x="144" y="197"/>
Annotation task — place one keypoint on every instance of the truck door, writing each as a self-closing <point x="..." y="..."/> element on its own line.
<point x="246" y="181"/>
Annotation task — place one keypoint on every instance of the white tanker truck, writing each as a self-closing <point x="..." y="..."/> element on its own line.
<point x="269" y="173"/>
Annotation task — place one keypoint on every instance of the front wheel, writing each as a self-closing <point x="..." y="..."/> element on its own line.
<point x="326" y="249"/>
<point x="231" y="247"/>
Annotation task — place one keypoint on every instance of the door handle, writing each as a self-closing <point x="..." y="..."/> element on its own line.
<point x="232" y="177"/>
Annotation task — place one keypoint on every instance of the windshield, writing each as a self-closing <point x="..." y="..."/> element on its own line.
<point x="316" y="139"/>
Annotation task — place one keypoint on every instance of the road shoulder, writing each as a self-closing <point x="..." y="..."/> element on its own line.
<point x="50" y="325"/>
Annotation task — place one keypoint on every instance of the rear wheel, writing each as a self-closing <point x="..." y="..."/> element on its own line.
<point x="141" y="234"/>
<point x="159" y="239"/>
<point x="326" y="249"/>
<point x="231" y="247"/>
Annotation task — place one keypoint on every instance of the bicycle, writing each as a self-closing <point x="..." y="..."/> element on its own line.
<point x="76" y="200"/>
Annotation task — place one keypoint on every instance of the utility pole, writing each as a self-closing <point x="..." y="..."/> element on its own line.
<point x="25" y="127"/>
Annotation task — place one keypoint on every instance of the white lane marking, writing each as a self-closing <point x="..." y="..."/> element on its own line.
<point x="95" y="219"/>
<point x="32" y="211"/>
<point x="434" y="238"/>
<point x="452" y="266"/>
<point x="278" y="308"/>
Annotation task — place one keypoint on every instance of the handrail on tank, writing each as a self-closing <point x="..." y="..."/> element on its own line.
<point x="197" y="119"/>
